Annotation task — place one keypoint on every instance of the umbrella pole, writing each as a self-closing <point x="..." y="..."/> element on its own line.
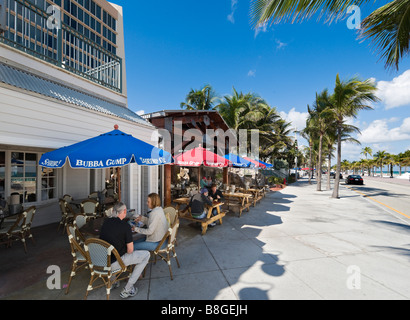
<point x="119" y="183"/>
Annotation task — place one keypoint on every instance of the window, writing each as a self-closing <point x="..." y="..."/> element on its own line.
<point x="48" y="184"/>
<point x="24" y="176"/>
<point x="20" y="173"/>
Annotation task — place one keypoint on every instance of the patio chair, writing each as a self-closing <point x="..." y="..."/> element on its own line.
<point x="93" y="195"/>
<point x="80" y="220"/>
<point x="78" y="253"/>
<point x="170" y="214"/>
<point x="21" y="229"/>
<point x="67" y="214"/>
<point x="89" y="207"/>
<point x="68" y="198"/>
<point x="8" y="229"/>
<point x="167" y="246"/>
<point x="98" y="253"/>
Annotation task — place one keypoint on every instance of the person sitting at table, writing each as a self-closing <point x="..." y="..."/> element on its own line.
<point x="157" y="225"/>
<point x="204" y="182"/>
<point x="215" y="194"/>
<point x="197" y="204"/>
<point x="118" y="233"/>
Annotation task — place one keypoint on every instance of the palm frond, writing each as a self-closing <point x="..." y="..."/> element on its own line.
<point x="275" y="11"/>
<point x="389" y="28"/>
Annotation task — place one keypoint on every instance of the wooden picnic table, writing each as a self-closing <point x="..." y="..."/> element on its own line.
<point x="205" y="222"/>
<point x="256" y="193"/>
<point x="240" y="199"/>
<point x="180" y="202"/>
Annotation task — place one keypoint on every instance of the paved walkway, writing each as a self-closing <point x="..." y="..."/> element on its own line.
<point x="295" y="244"/>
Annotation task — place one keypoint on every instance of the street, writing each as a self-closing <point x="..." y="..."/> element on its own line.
<point x="392" y="197"/>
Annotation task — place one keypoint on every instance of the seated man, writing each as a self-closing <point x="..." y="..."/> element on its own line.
<point x="197" y="204"/>
<point x="215" y="194"/>
<point x="118" y="233"/>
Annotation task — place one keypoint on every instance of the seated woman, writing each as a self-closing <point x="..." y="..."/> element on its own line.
<point x="157" y="225"/>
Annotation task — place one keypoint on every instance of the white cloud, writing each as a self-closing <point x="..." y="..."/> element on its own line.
<point x="252" y="73"/>
<point x="140" y="112"/>
<point x="261" y="28"/>
<point x="395" y="93"/>
<point x="379" y="131"/>
<point x="231" y="16"/>
<point x="298" y="119"/>
<point x="280" y="44"/>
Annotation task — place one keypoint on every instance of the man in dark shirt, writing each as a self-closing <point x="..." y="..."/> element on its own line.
<point x="198" y="202"/>
<point x="215" y="194"/>
<point x="118" y="233"/>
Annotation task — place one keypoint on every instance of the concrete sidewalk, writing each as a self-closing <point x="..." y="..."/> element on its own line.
<point x="295" y="244"/>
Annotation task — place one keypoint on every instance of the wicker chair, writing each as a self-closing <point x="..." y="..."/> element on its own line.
<point x="68" y="198"/>
<point x="89" y="207"/>
<point x="9" y="228"/>
<point x="80" y="220"/>
<point x="78" y="253"/>
<point x="20" y="229"/>
<point x="67" y="214"/>
<point x="167" y="246"/>
<point x="98" y="254"/>
<point x="171" y="214"/>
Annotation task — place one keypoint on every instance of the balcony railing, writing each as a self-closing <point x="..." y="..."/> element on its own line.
<point x="36" y="32"/>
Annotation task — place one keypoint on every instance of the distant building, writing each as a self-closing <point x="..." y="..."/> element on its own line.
<point x="62" y="80"/>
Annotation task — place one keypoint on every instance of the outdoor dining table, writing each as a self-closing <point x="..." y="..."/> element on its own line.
<point x="93" y="227"/>
<point x="205" y="222"/>
<point x="256" y="193"/>
<point x="180" y="202"/>
<point x="241" y="199"/>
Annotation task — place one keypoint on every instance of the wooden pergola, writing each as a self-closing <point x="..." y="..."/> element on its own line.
<point x="177" y="123"/>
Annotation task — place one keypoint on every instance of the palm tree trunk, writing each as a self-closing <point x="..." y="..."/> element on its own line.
<point x="310" y="161"/>
<point x="329" y="166"/>
<point x="319" y="177"/>
<point x="335" y="194"/>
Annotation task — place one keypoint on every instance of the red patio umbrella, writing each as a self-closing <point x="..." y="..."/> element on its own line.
<point x="200" y="156"/>
<point x="256" y="163"/>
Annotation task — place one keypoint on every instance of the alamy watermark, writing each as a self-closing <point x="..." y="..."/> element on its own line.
<point x="355" y="19"/>
<point x="242" y="142"/>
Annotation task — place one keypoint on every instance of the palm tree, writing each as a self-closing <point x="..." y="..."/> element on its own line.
<point x="348" y="99"/>
<point x="380" y="158"/>
<point x="203" y="99"/>
<point x="322" y="118"/>
<point x="367" y="151"/>
<point x="387" y="27"/>
<point x="309" y="133"/>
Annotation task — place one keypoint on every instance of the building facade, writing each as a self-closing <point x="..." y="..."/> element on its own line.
<point x="62" y="80"/>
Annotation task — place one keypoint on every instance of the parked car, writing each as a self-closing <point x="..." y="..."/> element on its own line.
<point x="333" y="175"/>
<point x="354" y="179"/>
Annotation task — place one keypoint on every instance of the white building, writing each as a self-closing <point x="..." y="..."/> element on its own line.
<point x="58" y="87"/>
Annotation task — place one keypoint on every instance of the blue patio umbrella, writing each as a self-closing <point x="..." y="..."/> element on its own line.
<point x="268" y="165"/>
<point x="238" y="162"/>
<point x="109" y="150"/>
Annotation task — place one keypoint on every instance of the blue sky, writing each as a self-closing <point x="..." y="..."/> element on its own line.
<point x="174" y="46"/>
